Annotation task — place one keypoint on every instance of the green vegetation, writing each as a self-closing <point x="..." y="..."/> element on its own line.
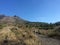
<point x="2" y="25"/>
<point x="39" y="25"/>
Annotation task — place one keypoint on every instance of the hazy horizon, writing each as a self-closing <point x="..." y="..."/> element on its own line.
<point x="32" y="10"/>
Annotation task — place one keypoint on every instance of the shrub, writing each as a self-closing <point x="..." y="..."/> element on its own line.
<point x="2" y="25"/>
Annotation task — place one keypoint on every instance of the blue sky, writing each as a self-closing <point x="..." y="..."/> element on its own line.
<point x="32" y="10"/>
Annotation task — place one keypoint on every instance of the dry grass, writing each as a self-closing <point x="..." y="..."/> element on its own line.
<point x="49" y="33"/>
<point x="27" y="36"/>
<point x="17" y="36"/>
<point x="45" y="32"/>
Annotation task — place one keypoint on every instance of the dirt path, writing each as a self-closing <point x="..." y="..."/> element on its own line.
<point x="48" y="41"/>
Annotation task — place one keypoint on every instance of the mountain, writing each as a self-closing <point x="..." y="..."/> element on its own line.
<point x="9" y="19"/>
<point x="2" y="16"/>
<point x="16" y="31"/>
<point x="11" y="32"/>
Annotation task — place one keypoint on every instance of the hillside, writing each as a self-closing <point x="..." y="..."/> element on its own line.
<point x="17" y="31"/>
<point x="13" y="32"/>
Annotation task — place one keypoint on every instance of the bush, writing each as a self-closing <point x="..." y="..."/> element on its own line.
<point x="2" y="25"/>
<point x="52" y="34"/>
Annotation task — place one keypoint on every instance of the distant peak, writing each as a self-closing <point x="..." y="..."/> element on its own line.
<point x="2" y="16"/>
<point x="15" y="16"/>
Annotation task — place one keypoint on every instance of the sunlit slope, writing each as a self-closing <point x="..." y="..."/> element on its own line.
<point x="16" y="36"/>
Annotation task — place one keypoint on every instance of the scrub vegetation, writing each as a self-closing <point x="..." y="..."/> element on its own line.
<point x="17" y="31"/>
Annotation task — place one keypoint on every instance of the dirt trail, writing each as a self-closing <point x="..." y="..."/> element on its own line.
<point x="48" y="41"/>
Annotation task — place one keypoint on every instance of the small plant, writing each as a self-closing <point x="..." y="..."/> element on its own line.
<point x="52" y="34"/>
<point x="14" y="29"/>
<point x="30" y="36"/>
<point x="2" y="25"/>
